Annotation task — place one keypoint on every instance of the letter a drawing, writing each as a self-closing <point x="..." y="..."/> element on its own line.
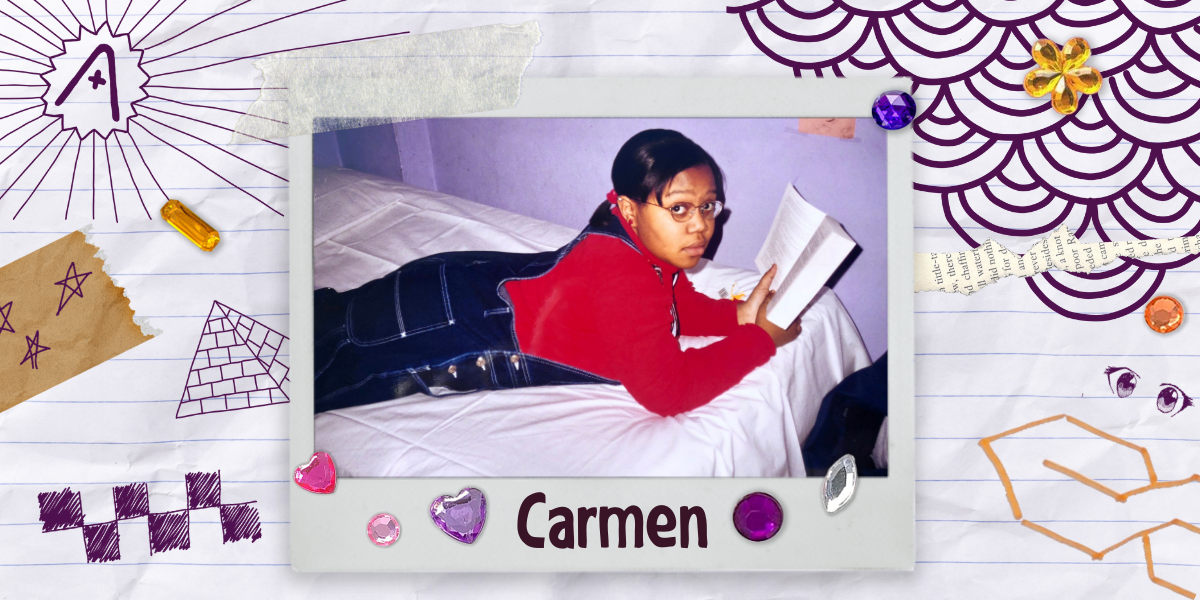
<point x="112" y="79"/>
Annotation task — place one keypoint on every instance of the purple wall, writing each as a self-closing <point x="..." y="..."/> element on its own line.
<point x="368" y="149"/>
<point x="326" y="152"/>
<point x="557" y="170"/>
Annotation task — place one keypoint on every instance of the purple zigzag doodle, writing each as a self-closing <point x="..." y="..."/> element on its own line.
<point x="4" y="312"/>
<point x="102" y="542"/>
<point x="60" y="510"/>
<point x="998" y="160"/>
<point x="203" y="490"/>
<point x="237" y="365"/>
<point x="33" y="349"/>
<point x="63" y="510"/>
<point x="76" y="290"/>
<point x="169" y="531"/>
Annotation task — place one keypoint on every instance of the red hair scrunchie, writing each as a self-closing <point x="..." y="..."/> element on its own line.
<point x="612" y="196"/>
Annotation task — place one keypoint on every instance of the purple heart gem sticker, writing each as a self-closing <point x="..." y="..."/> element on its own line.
<point x="460" y="516"/>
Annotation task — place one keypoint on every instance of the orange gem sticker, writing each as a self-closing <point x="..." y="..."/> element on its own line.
<point x="1062" y="74"/>
<point x="1164" y="314"/>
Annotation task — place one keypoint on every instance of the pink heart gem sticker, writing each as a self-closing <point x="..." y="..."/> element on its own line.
<point x="460" y="516"/>
<point x="319" y="476"/>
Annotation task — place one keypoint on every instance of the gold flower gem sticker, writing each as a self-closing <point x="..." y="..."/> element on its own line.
<point x="1063" y="73"/>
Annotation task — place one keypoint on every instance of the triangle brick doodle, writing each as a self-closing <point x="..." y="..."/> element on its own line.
<point x="237" y="365"/>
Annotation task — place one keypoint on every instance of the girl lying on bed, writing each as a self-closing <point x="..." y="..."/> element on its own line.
<point x="605" y="308"/>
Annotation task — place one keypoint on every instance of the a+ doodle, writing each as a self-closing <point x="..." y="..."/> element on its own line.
<point x="97" y="80"/>
<point x="90" y="62"/>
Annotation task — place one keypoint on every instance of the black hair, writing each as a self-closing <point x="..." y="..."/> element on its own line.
<point x="647" y="163"/>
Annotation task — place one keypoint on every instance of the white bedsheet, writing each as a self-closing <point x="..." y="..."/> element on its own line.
<point x="367" y="226"/>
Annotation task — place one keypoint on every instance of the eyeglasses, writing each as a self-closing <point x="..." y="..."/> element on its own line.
<point x="682" y="212"/>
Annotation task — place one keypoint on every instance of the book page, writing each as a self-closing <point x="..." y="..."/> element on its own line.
<point x="795" y="224"/>
<point x="824" y="254"/>
<point x="806" y="257"/>
<point x="968" y="271"/>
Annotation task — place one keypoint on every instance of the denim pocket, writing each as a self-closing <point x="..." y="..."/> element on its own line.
<point x="406" y="302"/>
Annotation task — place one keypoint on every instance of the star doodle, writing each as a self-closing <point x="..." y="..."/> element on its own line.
<point x="77" y="290"/>
<point x="34" y="349"/>
<point x="4" y="312"/>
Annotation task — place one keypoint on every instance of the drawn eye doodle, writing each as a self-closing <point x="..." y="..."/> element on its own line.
<point x="1121" y="380"/>
<point x="1172" y="400"/>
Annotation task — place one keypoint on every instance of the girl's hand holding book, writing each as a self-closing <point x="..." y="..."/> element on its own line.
<point x="754" y="310"/>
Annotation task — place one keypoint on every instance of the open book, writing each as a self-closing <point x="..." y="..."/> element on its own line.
<point x="808" y="245"/>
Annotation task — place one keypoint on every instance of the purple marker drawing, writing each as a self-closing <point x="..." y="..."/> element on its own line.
<point x="979" y="122"/>
<point x="131" y="501"/>
<point x="170" y="531"/>
<point x="1171" y="400"/>
<point x="203" y="490"/>
<point x="103" y="53"/>
<point x="4" y="312"/>
<point x="239" y="522"/>
<point x="97" y="80"/>
<point x="59" y="511"/>
<point x="75" y="288"/>
<point x="237" y="365"/>
<point x="1121" y="380"/>
<point x="33" y="349"/>
<point x="102" y="542"/>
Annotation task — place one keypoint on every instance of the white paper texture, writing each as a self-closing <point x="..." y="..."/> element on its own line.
<point x="984" y="363"/>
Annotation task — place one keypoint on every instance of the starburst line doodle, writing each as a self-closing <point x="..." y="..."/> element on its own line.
<point x="34" y="349"/>
<point x="5" y="311"/>
<point x="985" y="148"/>
<point x="151" y="53"/>
<point x="77" y="290"/>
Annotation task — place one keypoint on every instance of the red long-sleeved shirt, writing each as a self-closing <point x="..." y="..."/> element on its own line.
<point x="603" y="309"/>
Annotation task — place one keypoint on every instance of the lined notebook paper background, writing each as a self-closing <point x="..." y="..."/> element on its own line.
<point x="984" y="364"/>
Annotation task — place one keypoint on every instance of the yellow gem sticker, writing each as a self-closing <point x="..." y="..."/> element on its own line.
<point x="1062" y="74"/>
<point x="192" y="227"/>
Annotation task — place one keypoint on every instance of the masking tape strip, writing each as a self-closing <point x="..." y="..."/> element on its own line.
<point x="51" y="332"/>
<point x="395" y="79"/>
<point x="967" y="272"/>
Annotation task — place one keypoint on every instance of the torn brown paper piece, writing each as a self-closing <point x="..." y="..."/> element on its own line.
<point x="967" y="272"/>
<point x="60" y="315"/>
<point x="838" y="128"/>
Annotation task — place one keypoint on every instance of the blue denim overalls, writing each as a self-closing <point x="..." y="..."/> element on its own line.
<point x="439" y="325"/>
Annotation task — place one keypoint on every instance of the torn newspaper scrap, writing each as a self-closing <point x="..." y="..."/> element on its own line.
<point x="967" y="272"/>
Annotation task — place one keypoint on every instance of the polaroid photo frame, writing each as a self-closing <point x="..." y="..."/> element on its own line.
<point x="874" y="531"/>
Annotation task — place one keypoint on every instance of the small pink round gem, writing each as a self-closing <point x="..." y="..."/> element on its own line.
<point x="383" y="529"/>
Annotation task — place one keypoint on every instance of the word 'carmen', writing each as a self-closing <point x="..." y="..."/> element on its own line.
<point x="661" y="520"/>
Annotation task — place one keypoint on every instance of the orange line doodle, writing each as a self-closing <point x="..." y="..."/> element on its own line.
<point x="1155" y="484"/>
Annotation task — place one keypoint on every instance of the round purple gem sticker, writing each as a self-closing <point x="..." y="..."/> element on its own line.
<point x="894" y="110"/>
<point x="758" y="517"/>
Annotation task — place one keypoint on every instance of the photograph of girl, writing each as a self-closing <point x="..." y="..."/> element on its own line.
<point x="493" y="346"/>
